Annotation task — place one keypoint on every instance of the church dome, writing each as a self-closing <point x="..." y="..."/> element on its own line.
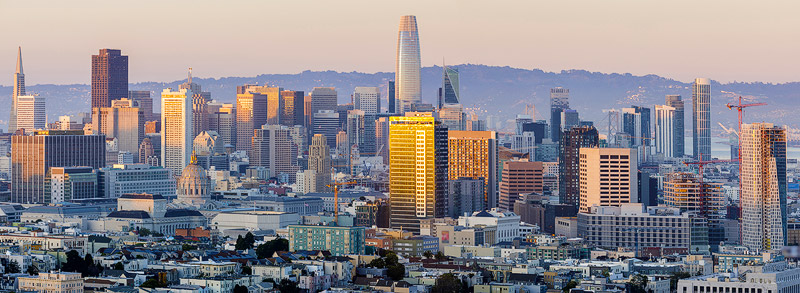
<point x="194" y="186"/>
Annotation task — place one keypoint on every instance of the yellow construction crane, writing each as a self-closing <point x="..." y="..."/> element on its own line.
<point x="335" y="187"/>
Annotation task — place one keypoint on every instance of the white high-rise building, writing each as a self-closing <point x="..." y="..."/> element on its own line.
<point x="408" y="77"/>
<point x="31" y="113"/>
<point x="176" y="129"/>
<point x="763" y="194"/>
<point x="524" y="143"/>
<point x="608" y="177"/>
<point x="665" y="126"/>
<point x="367" y="99"/>
<point x="701" y="117"/>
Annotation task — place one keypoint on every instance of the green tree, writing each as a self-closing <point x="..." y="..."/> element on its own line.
<point x="240" y="289"/>
<point x="246" y="270"/>
<point x="569" y="286"/>
<point x="90" y="268"/>
<point x="119" y="266"/>
<point x="377" y="263"/>
<point x="250" y="239"/>
<point x="152" y="283"/>
<point x="144" y="232"/>
<point x="446" y="283"/>
<point x="75" y="263"/>
<point x="187" y="247"/>
<point x="638" y="283"/>
<point x="240" y="244"/>
<point x="12" y="267"/>
<point x="32" y="270"/>
<point x="287" y="286"/>
<point x="396" y="271"/>
<point x="267" y="249"/>
<point x="673" y="279"/>
<point x="428" y="254"/>
<point x="440" y="256"/>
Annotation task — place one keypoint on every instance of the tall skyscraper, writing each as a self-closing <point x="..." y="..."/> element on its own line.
<point x="145" y="104"/>
<point x="367" y="99"/>
<point x="701" y="118"/>
<point x="452" y="116"/>
<point x="407" y="76"/>
<point x="323" y="99"/>
<point x="221" y="118"/>
<point x="569" y="161"/>
<point x="608" y="177"/>
<point x="520" y="177"/>
<point x="418" y="177"/>
<point x="33" y="155"/>
<point x="326" y="122"/>
<point x="763" y="192"/>
<point x="292" y="111"/>
<point x="665" y="130"/>
<point x="273" y="148"/>
<point x="274" y="103"/>
<point x="559" y="101"/>
<point x="176" y="129"/>
<point x="678" y="129"/>
<point x="124" y="120"/>
<point x="391" y="97"/>
<point x="636" y="123"/>
<point x="449" y="93"/>
<point x="251" y="113"/>
<point x="109" y="77"/>
<point x="569" y="119"/>
<point x="319" y="162"/>
<point x="19" y="90"/>
<point x="199" y="102"/>
<point x="473" y="154"/>
<point x="31" y="113"/>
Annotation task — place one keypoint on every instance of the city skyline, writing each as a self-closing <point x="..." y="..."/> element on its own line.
<point x="560" y="44"/>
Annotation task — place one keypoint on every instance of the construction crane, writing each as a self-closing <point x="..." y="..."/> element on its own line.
<point x="335" y="186"/>
<point x="700" y="165"/>
<point x="740" y="108"/>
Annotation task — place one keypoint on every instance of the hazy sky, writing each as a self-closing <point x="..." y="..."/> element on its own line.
<point x="722" y="40"/>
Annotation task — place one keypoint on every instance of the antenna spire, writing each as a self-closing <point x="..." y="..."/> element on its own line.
<point x="190" y="75"/>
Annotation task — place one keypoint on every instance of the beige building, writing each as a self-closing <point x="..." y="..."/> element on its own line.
<point x="123" y="120"/>
<point x="52" y="283"/>
<point x="607" y="177"/>
<point x="272" y="148"/>
<point x="319" y="165"/>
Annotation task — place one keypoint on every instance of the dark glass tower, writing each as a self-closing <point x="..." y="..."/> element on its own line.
<point x="449" y="93"/>
<point x="572" y="141"/>
<point x="392" y="102"/>
<point x="559" y="101"/>
<point x="109" y="77"/>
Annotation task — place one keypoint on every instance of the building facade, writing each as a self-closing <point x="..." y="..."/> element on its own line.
<point x="701" y="118"/>
<point x="408" y="73"/>
<point x="473" y="154"/>
<point x="569" y="161"/>
<point x="763" y="193"/>
<point x="109" y="77"/>
<point x="678" y="135"/>
<point x="418" y="156"/>
<point x="34" y="155"/>
<point x="337" y="240"/>
<point x="608" y="177"/>
<point x="176" y="129"/>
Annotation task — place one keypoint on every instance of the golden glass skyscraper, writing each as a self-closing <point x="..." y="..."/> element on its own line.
<point x="473" y="154"/>
<point x="408" y="79"/>
<point x="418" y="173"/>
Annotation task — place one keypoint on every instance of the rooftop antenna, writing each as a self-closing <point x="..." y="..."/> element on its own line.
<point x="190" y="75"/>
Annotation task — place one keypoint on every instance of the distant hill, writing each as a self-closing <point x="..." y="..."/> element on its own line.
<point x="501" y="92"/>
